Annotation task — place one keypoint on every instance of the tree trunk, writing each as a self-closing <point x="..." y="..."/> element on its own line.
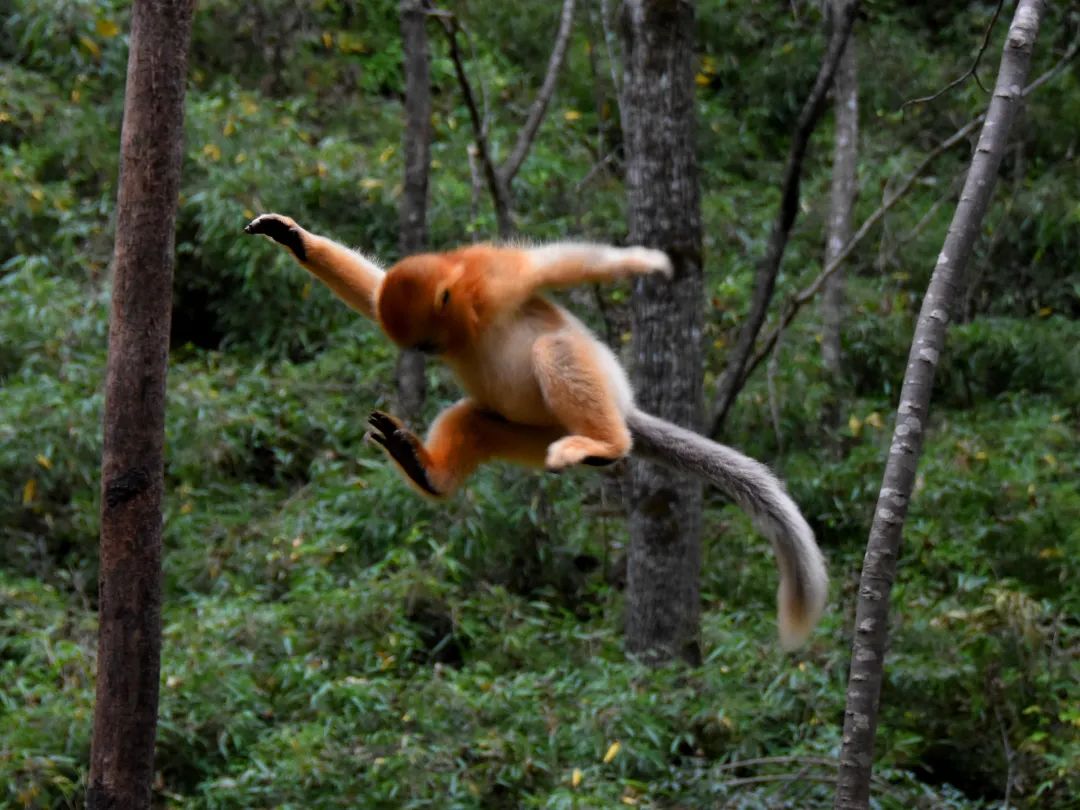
<point x="132" y="466"/>
<point x="662" y="610"/>
<point x="411" y="380"/>
<point x="734" y="377"/>
<point x="841" y="207"/>
<point x="841" y="198"/>
<point x="942" y="295"/>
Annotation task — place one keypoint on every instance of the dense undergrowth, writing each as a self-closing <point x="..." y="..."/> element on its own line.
<point x="333" y="641"/>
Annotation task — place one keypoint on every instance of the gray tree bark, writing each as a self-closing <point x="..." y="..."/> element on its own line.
<point x="132" y="465"/>
<point x="842" y="195"/>
<point x="416" y="144"/>
<point x="942" y="295"/>
<point x="734" y="377"/>
<point x="662" y="603"/>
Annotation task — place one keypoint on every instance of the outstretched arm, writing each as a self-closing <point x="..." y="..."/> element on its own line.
<point x="564" y="264"/>
<point x="352" y="277"/>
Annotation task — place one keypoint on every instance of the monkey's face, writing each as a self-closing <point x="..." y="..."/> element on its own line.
<point x="416" y="305"/>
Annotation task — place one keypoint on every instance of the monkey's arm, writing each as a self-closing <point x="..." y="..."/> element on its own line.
<point x="564" y="264"/>
<point x="349" y="275"/>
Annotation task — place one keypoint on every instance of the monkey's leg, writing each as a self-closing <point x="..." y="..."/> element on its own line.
<point x="352" y="277"/>
<point x="462" y="438"/>
<point x="580" y="393"/>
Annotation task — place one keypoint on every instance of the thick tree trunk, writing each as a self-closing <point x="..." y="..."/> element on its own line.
<point x="942" y="295"/>
<point x="662" y="607"/>
<point x="842" y="196"/>
<point x="734" y="376"/>
<point x="411" y="381"/>
<point x="132" y="471"/>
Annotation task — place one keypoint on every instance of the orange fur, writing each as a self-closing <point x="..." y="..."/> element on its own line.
<point x="542" y="390"/>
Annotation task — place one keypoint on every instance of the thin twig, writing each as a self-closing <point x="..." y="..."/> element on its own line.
<point x="969" y="72"/>
<point x="796" y="303"/>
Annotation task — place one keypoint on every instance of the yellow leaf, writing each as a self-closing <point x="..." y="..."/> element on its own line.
<point x="981" y="455"/>
<point x="230" y="128"/>
<point x="321" y="169"/>
<point x="1050" y="459"/>
<point x="29" y="492"/>
<point x="854" y="424"/>
<point x="874" y="420"/>
<point x="612" y="752"/>
<point x="37" y="194"/>
<point x="305" y="292"/>
<point x="90" y="46"/>
<point x="630" y="799"/>
<point x="107" y="28"/>
<point x="240" y="158"/>
<point x="701" y="80"/>
<point x="386" y="154"/>
<point x="327" y="40"/>
<point x="371" y="183"/>
<point x="186" y="507"/>
<point x="1046" y="312"/>
<point x="571" y="115"/>
<point x="76" y="94"/>
<point x="212" y="151"/>
<point x="1051" y="554"/>
<point x="248" y="213"/>
<point x="249" y="107"/>
<point x="44" y="461"/>
<point x="575" y="778"/>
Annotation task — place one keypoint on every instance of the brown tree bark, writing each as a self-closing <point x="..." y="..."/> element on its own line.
<point x="842" y="196"/>
<point x="662" y="604"/>
<point x="132" y="466"/>
<point x="733" y="377"/>
<point x="416" y="144"/>
<point x="942" y="295"/>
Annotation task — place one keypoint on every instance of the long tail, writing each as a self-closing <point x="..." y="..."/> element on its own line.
<point x="804" y="584"/>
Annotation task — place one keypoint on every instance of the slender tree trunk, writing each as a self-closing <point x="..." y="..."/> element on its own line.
<point x="132" y="466"/>
<point x="942" y="295"/>
<point x="411" y="381"/>
<point x="841" y="208"/>
<point x="841" y="198"/>
<point x="662" y="619"/>
<point x="733" y="377"/>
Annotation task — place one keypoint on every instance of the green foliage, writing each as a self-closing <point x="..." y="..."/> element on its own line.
<point x="330" y="639"/>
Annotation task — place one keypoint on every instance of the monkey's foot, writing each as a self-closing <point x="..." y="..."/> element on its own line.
<point x="403" y="447"/>
<point x="571" y="450"/>
<point x="282" y="230"/>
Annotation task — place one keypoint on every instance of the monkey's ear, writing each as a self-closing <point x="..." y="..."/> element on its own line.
<point x="442" y="289"/>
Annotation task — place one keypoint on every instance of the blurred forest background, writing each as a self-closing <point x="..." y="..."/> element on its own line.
<point x="333" y="641"/>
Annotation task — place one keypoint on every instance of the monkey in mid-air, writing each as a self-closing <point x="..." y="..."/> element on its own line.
<point x="542" y="390"/>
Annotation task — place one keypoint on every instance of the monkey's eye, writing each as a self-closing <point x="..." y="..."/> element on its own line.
<point x="445" y="297"/>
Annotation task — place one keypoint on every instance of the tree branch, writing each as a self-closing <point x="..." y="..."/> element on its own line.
<point x="799" y="300"/>
<point x="528" y="131"/>
<point x="898" y="480"/>
<point x="499" y="195"/>
<point x="730" y="381"/>
<point x="969" y="72"/>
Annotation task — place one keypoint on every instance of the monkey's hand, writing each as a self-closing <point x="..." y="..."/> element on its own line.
<point x="282" y="230"/>
<point x="404" y="449"/>
<point x="641" y="261"/>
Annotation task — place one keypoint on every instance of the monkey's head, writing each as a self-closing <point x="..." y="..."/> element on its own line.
<point x="418" y="305"/>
